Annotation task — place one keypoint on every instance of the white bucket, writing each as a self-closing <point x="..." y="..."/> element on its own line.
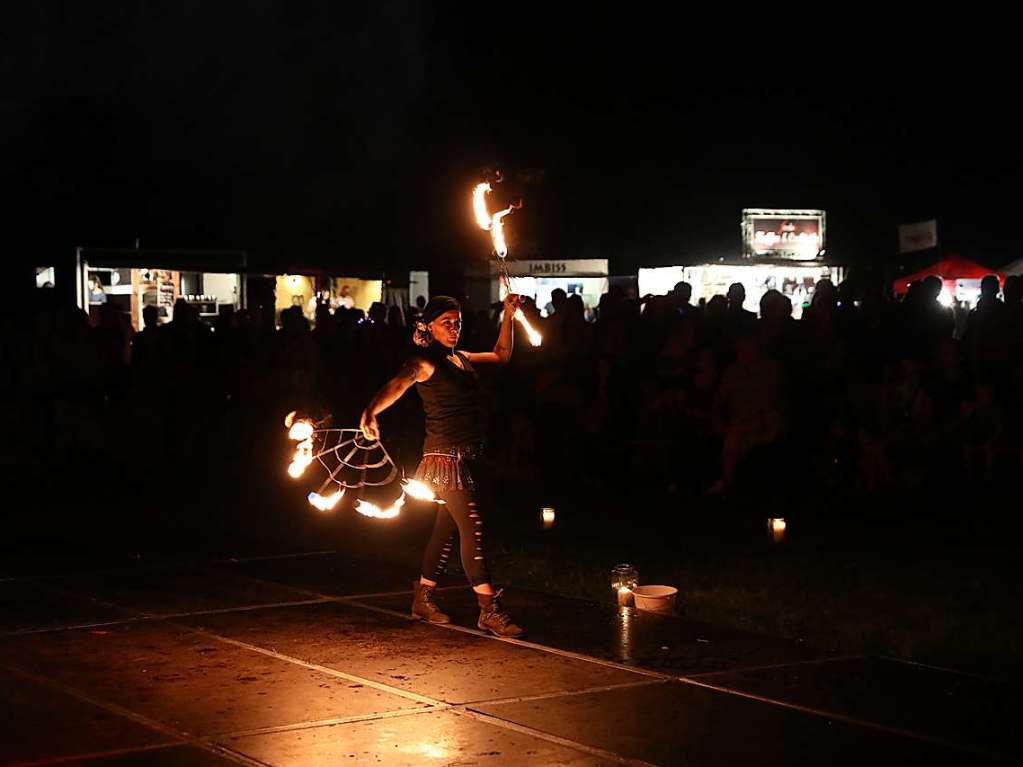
<point x="659" y="599"/>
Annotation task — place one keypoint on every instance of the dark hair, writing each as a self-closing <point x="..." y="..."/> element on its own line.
<point x="438" y="305"/>
<point x="434" y="309"/>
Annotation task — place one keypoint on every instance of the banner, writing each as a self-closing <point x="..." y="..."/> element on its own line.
<point x="919" y="236"/>
<point x="783" y="233"/>
<point x="572" y="267"/>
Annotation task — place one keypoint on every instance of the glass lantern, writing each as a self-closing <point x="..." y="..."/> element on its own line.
<point x="624" y="578"/>
<point x="547" y="517"/>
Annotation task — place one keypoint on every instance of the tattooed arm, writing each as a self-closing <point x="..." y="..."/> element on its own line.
<point x="415" y="369"/>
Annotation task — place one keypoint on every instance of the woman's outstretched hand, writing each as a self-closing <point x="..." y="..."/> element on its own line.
<point x="511" y="302"/>
<point x="368" y="424"/>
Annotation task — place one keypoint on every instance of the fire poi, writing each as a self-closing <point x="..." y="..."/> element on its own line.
<point x="351" y="461"/>
<point x="495" y="225"/>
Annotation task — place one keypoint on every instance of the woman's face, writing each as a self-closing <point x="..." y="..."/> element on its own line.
<point x="446" y="328"/>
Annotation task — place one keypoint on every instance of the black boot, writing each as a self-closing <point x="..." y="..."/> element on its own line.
<point x="493" y="618"/>
<point x="423" y="605"/>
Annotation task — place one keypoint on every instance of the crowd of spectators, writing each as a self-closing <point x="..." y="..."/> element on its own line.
<point x="700" y="398"/>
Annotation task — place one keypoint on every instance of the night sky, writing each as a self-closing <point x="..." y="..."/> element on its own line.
<point x="346" y="135"/>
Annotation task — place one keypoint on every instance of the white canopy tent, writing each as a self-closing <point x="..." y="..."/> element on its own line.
<point x="1016" y="267"/>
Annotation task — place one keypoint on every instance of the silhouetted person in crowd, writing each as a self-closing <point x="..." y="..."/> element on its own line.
<point x="777" y="330"/>
<point x="740" y="320"/>
<point x="323" y="317"/>
<point x="554" y="323"/>
<point x="1012" y="293"/>
<point x="557" y="302"/>
<point x="924" y="321"/>
<point x="717" y="311"/>
<point x="988" y="313"/>
<point x="822" y="312"/>
<point x="378" y="313"/>
<point x="985" y="333"/>
<point x="416" y="311"/>
<point x="113" y="342"/>
<point x="939" y="318"/>
<point x="396" y="317"/>
<point x="748" y="407"/>
<point x="681" y="294"/>
<point x="144" y="344"/>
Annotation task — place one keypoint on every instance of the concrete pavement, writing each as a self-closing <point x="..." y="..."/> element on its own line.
<point x="311" y="659"/>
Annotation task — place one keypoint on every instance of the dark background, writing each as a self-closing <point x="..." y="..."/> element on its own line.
<point x="349" y="135"/>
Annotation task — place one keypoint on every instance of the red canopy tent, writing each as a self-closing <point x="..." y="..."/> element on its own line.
<point x="951" y="268"/>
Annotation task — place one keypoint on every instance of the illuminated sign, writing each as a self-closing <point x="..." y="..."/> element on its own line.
<point x="780" y="233"/>
<point x="572" y="267"/>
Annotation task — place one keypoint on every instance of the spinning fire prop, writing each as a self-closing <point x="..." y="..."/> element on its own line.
<point x="494" y="224"/>
<point x="352" y="461"/>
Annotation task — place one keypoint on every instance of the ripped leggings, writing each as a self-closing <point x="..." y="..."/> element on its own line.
<point x="458" y="518"/>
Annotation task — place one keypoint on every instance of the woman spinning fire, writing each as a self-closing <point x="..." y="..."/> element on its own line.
<point x="450" y="390"/>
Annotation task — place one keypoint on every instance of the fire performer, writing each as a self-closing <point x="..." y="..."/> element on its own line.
<point x="450" y="390"/>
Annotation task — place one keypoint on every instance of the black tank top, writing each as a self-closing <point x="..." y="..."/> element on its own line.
<point x="452" y="403"/>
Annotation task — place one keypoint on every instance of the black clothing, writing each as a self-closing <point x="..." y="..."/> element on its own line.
<point x="458" y="517"/>
<point x="452" y="403"/>
<point x="454" y="438"/>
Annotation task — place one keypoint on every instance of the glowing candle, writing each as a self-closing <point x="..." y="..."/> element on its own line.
<point x="776" y="527"/>
<point x="547" y="514"/>
<point x="624" y="578"/>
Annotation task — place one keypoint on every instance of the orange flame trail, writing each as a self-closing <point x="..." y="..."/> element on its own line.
<point x="494" y="224"/>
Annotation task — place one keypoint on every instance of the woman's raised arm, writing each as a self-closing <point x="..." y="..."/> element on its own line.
<point x="505" y="338"/>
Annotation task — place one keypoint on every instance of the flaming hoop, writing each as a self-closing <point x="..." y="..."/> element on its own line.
<point x="351" y="461"/>
<point x="495" y="225"/>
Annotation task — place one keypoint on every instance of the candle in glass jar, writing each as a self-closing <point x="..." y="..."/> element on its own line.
<point x="776" y="527"/>
<point x="547" y="515"/>
<point x="624" y="578"/>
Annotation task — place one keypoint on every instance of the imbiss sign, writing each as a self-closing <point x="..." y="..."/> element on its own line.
<point x="572" y="267"/>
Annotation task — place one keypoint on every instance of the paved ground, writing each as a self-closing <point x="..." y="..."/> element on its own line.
<point x="311" y="659"/>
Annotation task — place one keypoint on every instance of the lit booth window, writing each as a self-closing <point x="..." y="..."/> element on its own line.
<point x="783" y="250"/>
<point x="295" y="290"/>
<point x="795" y="281"/>
<point x="538" y="279"/>
<point x="211" y="282"/>
<point x="308" y="291"/>
<point x="312" y="289"/>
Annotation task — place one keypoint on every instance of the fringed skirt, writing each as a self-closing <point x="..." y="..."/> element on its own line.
<point x="447" y="468"/>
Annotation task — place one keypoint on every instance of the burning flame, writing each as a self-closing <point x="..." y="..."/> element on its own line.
<point x="494" y="225"/>
<point x="372" y="510"/>
<point x="534" y="336"/>
<point x="479" y="205"/>
<point x="497" y="231"/>
<point x="325" y="502"/>
<point x="302" y="458"/>
<point x="420" y="491"/>
<point x="491" y="223"/>
<point x="290" y="419"/>
<point x="535" y="339"/>
<point x="301" y="431"/>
